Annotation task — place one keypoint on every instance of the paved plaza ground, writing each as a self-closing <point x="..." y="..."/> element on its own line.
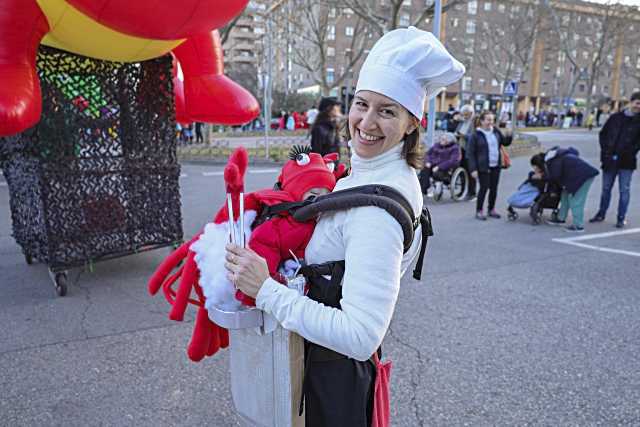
<point x="512" y="324"/>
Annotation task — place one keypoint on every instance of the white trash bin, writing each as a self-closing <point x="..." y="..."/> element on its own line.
<point x="266" y="368"/>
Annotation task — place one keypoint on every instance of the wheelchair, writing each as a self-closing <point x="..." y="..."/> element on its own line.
<point x="456" y="182"/>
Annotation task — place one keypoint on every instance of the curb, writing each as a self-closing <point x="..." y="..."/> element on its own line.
<point x="524" y="145"/>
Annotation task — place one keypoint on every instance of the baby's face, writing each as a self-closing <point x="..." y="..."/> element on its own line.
<point x="314" y="192"/>
<point x="537" y="170"/>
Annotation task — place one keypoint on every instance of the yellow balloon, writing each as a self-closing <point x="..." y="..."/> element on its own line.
<point x="73" y="31"/>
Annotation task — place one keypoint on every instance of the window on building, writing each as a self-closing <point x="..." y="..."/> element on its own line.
<point x="466" y="83"/>
<point x="547" y="68"/>
<point x="501" y="8"/>
<point x="405" y="20"/>
<point x="515" y="8"/>
<point x="481" y="82"/>
<point x="469" y="49"/>
<point x="406" y="3"/>
<point x="330" y="75"/>
<point x="638" y="63"/>
<point x="258" y="30"/>
<point x="429" y="3"/>
<point x="581" y="87"/>
<point x="485" y="25"/>
<point x="487" y="6"/>
<point x="454" y="22"/>
<point x="331" y="51"/>
<point x="332" y="12"/>
<point x="471" y="26"/>
<point x="348" y="31"/>
<point x="495" y="83"/>
<point x="585" y="55"/>
<point x="347" y="11"/>
<point x="484" y="45"/>
<point x="331" y="32"/>
<point x="472" y="7"/>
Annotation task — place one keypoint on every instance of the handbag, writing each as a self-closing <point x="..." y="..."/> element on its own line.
<point x="381" y="393"/>
<point x="505" y="159"/>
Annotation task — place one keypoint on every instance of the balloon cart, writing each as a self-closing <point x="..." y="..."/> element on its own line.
<point x="266" y="366"/>
<point x="97" y="177"/>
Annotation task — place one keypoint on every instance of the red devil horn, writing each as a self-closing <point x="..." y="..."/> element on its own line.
<point x="235" y="170"/>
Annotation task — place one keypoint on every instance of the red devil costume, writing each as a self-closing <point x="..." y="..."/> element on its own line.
<point x="275" y="239"/>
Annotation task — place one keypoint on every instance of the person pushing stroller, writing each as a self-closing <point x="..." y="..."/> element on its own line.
<point x="535" y="193"/>
<point x="443" y="157"/>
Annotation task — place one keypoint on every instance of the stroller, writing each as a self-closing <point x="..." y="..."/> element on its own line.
<point x="536" y="197"/>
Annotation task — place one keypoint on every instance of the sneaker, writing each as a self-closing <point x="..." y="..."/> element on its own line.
<point x="574" y="229"/>
<point x="471" y="198"/>
<point x="621" y="223"/>
<point x="481" y="216"/>
<point x="597" y="218"/>
<point x="429" y="193"/>
<point x="494" y="214"/>
<point x="554" y="221"/>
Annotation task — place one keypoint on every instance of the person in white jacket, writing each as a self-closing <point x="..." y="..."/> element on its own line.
<point x="403" y="69"/>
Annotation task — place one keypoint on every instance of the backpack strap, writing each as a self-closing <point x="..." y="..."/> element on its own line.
<point x="380" y="196"/>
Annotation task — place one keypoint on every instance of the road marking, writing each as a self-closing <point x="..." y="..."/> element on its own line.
<point x="257" y="171"/>
<point x="183" y="175"/>
<point x="3" y="184"/>
<point x="264" y="171"/>
<point x="576" y="241"/>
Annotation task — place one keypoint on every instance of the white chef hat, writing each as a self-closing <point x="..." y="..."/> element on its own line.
<point x="409" y="65"/>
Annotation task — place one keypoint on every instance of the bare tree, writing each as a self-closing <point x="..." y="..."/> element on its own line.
<point x="504" y="50"/>
<point x="607" y="31"/>
<point x="381" y="17"/>
<point x="311" y="51"/>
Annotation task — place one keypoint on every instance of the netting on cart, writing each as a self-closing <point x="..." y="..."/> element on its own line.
<point x="97" y="177"/>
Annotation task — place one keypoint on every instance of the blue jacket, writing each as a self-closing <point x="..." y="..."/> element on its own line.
<point x="567" y="169"/>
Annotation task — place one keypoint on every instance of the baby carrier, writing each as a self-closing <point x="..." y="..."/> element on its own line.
<point x="326" y="369"/>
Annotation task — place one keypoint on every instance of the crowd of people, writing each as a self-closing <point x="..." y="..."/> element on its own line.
<point x="476" y="144"/>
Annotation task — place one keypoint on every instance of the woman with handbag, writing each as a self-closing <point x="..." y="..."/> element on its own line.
<point x="486" y="156"/>
<point x="342" y="384"/>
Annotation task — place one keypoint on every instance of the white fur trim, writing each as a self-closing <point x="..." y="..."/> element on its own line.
<point x="210" y="253"/>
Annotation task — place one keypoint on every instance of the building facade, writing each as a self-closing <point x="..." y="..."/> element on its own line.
<point x="557" y="55"/>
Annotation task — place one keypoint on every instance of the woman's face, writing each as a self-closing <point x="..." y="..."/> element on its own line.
<point x="335" y="112"/>
<point x="488" y="121"/>
<point x="377" y="124"/>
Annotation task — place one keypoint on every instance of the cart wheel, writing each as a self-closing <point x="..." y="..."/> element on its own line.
<point x="512" y="216"/>
<point x="28" y="259"/>
<point x="61" y="283"/>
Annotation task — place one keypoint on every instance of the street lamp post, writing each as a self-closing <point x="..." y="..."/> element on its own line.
<point x="431" y="122"/>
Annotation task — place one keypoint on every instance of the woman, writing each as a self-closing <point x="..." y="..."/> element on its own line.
<point x="383" y="122"/>
<point x="567" y="170"/>
<point x="443" y="157"/>
<point x="325" y="137"/>
<point x="484" y="159"/>
<point x="466" y="128"/>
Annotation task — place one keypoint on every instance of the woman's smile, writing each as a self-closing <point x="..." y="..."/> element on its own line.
<point x="367" y="138"/>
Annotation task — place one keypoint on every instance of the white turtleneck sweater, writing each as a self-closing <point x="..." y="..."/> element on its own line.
<point x="370" y="241"/>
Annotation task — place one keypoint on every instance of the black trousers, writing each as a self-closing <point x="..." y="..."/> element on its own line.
<point x="472" y="181"/>
<point x="425" y="176"/>
<point x="338" y="391"/>
<point x="488" y="183"/>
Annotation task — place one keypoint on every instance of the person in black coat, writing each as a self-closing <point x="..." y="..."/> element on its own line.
<point x="566" y="169"/>
<point x="619" y="146"/>
<point x="325" y="137"/>
<point x="484" y="160"/>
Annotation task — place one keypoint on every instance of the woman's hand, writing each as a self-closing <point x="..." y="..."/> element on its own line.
<point x="245" y="269"/>
<point x="474" y="174"/>
<point x="435" y="169"/>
